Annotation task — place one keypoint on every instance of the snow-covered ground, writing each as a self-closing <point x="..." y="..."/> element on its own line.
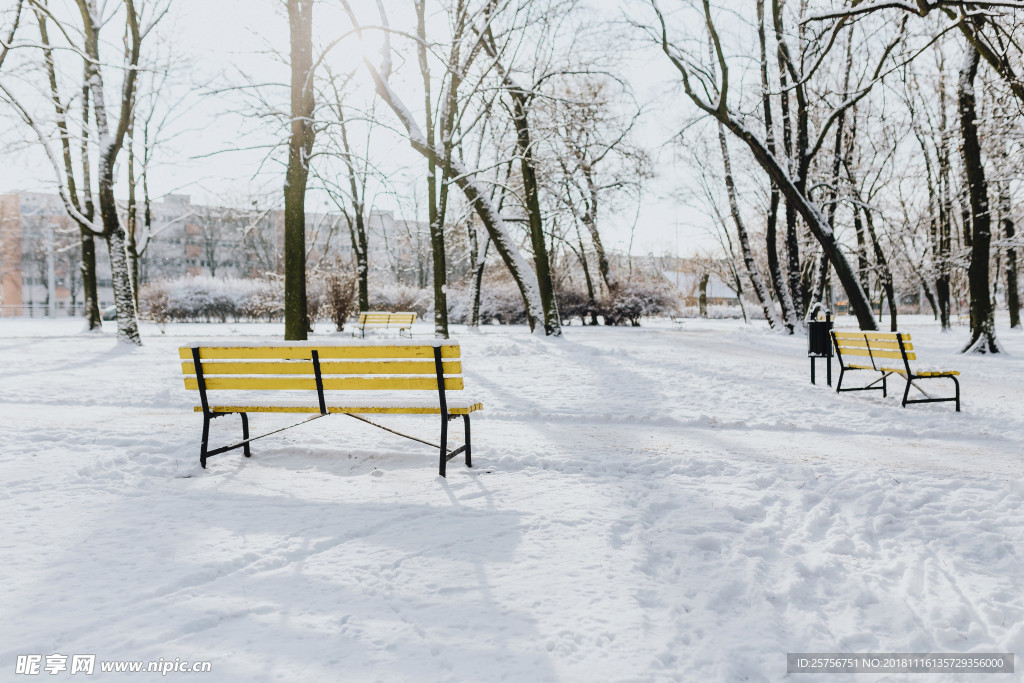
<point x="671" y="502"/>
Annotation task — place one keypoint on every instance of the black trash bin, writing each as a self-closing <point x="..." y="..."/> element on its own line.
<point x="819" y="343"/>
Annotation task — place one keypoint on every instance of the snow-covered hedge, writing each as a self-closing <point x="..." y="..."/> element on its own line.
<point x="641" y="298"/>
<point x="718" y="312"/>
<point x="500" y="303"/>
<point x="209" y="299"/>
<point x="399" y="297"/>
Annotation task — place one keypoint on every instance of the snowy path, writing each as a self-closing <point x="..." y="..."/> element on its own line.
<point x="648" y="504"/>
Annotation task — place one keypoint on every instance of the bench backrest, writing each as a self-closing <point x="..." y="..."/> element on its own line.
<point x="385" y="319"/>
<point x="294" y="366"/>
<point x="874" y="346"/>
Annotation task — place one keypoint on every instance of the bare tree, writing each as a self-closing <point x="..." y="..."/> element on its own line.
<point x="463" y="177"/>
<point x="983" y="328"/>
<point x="111" y="125"/>
<point x="714" y="102"/>
<point x="349" y="196"/>
<point x="522" y="99"/>
<point x="81" y="200"/>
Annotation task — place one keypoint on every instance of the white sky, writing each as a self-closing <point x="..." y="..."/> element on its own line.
<point x="220" y="40"/>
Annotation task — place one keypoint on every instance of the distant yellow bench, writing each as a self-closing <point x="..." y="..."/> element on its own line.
<point x="398" y="377"/>
<point x="401" y="321"/>
<point x="881" y="352"/>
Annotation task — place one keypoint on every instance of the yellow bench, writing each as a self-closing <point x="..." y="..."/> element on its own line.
<point x="888" y="353"/>
<point x="401" y="320"/>
<point x="397" y="377"/>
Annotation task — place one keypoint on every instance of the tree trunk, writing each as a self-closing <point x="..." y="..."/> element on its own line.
<point x="591" y="295"/>
<point x="111" y="144"/>
<point x="300" y="146"/>
<point x="983" y="332"/>
<point x="760" y="290"/>
<point x="863" y="265"/>
<point x="132" y="241"/>
<point x="361" y="249"/>
<point x="90" y="303"/>
<point x="124" y="294"/>
<point x="478" y="256"/>
<point x="942" y="282"/>
<point x="797" y="171"/>
<point x="884" y="274"/>
<point x="552" y="324"/>
<point x="435" y="216"/>
<point x="1012" y="292"/>
<point x="702" y="300"/>
<point x="771" y="235"/>
<point x="589" y="219"/>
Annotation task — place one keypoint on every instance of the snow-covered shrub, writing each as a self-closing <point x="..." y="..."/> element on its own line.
<point x="316" y="296"/>
<point x="575" y="303"/>
<point x="641" y="298"/>
<point x="399" y="297"/>
<point x="201" y="298"/>
<point x="339" y="296"/>
<point x="500" y="302"/>
<point x="265" y="302"/>
<point x="720" y="312"/>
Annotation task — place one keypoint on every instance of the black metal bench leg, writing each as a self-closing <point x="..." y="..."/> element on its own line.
<point x="245" y="435"/>
<point x="206" y="438"/>
<point x="885" y="387"/>
<point x="469" y="450"/>
<point x="906" y="392"/>
<point x="839" y="384"/>
<point x="957" y="383"/>
<point x="444" y="445"/>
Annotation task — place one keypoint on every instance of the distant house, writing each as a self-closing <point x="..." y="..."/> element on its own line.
<point x="687" y="273"/>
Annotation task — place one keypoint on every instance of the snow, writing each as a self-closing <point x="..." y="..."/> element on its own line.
<point x="670" y="502"/>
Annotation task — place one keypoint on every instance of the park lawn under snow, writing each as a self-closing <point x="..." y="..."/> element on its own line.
<point x="658" y="503"/>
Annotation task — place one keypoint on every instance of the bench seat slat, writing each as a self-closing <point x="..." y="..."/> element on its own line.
<point x="326" y="352"/>
<point x="882" y="353"/>
<point x="874" y="345"/>
<point x="871" y="336"/>
<point x="412" y="408"/>
<point x="379" y="383"/>
<point x="925" y="373"/>
<point x="305" y="367"/>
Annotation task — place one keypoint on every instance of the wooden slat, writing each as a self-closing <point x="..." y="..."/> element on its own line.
<point x="872" y="336"/>
<point x="329" y="383"/>
<point x="860" y="344"/>
<point x="391" y="410"/>
<point x="327" y="352"/>
<point x="880" y="353"/>
<point x="305" y="367"/>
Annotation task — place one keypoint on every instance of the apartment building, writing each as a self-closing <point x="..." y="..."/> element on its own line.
<point x="40" y="246"/>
